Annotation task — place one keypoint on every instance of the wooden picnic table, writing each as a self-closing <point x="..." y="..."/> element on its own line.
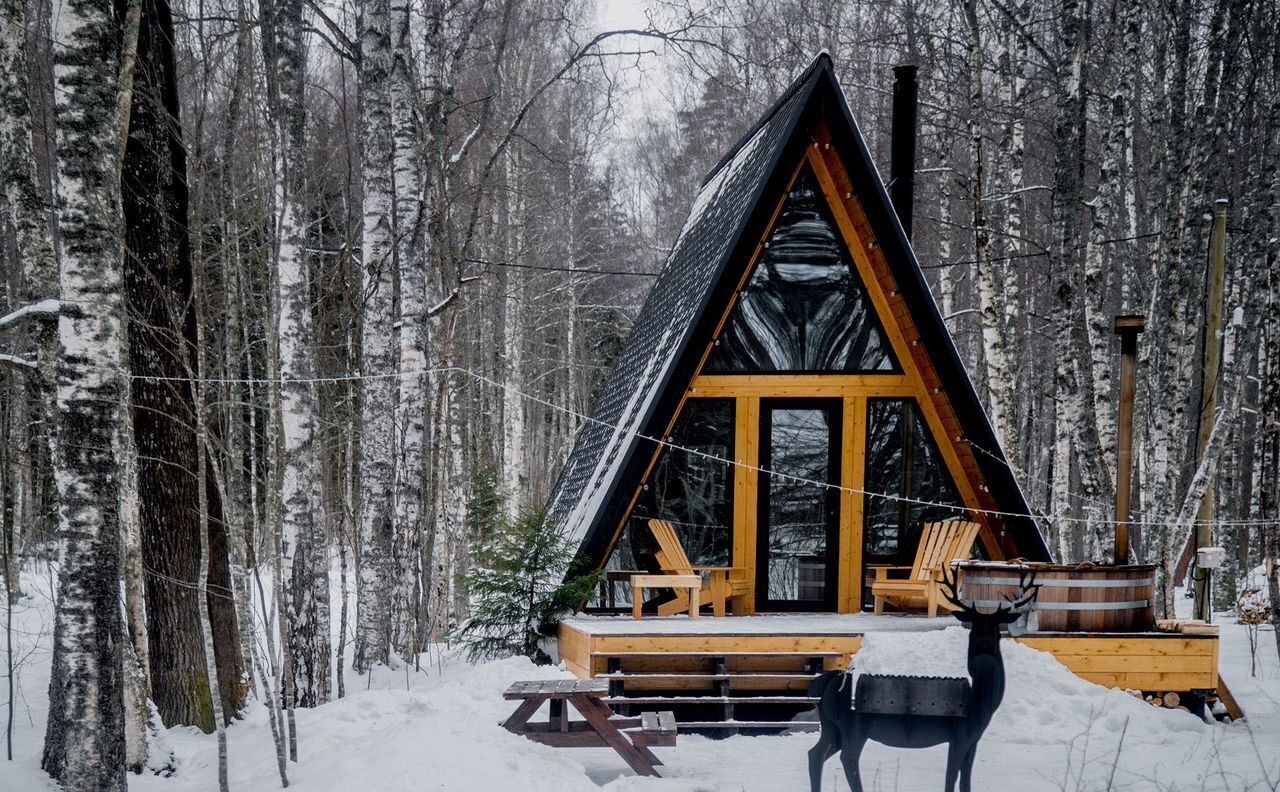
<point x="600" y="728"/>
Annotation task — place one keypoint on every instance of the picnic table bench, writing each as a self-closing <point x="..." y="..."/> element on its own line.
<point x="631" y="738"/>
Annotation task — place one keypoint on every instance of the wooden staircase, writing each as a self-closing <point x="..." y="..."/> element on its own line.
<point x="727" y="692"/>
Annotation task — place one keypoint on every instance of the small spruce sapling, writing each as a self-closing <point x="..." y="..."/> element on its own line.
<point x="524" y="582"/>
<point x="1253" y="610"/>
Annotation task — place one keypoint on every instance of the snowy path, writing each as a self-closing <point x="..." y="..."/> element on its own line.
<point x="437" y="730"/>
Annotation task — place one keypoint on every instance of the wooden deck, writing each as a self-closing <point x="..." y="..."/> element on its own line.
<point x="784" y="651"/>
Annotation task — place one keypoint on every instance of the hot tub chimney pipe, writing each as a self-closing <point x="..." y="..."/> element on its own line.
<point x="1128" y="327"/>
<point x="902" y="149"/>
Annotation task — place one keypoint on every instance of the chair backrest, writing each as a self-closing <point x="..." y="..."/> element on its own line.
<point x="966" y="535"/>
<point x="941" y="543"/>
<point x="934" y="541"/>
<point x="671" y="555"/>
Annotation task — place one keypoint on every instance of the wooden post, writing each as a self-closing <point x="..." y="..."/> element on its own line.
<point x="1127" y="327"/>
<point x="1212" y="371"/>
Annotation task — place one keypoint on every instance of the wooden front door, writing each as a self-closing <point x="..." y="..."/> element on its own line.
<point x="797" y="530"/>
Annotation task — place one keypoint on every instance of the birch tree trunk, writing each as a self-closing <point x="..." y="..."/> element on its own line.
<point x="1173" y="281"/>
<point x="304" y="558"/>
<point x="378" y="455"/>
<point x="203" y="608"/>
<point x="1183" y="526"/>
<point x="411" y="261"/>
<point x="84" y="739"/>
<point x="18" y="182"/>
<point x="995" y="344"/>
<point x="1107" y="204"/>
<point x="1069" y="146"/>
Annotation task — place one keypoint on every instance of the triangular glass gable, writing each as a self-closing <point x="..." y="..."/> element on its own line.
<point x="804" y="307"/>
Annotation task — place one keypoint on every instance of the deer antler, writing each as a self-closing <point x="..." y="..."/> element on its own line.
<point x="948" y="588"/>
<point x="1028" y="590"/>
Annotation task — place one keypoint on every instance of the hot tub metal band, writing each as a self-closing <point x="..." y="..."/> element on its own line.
<point x="1068" y="606"/>
<point x="981" y="580"/>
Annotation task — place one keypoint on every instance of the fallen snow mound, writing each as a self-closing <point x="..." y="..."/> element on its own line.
<point x="1044" y="703"/>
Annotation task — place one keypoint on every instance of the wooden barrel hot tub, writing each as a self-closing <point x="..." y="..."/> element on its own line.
<point x="1083" y="598"/>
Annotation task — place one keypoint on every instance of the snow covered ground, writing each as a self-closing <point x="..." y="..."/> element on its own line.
<point x="438" y="730"/>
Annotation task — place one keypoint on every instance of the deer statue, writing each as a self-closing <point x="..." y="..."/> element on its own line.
<point x="918" y="712"/>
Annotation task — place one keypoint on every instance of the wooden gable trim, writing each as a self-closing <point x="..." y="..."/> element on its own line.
<point x="913" y="356"/>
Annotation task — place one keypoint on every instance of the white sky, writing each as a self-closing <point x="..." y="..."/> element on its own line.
<point x="646" y="84"/>
<point x="621" y="13"/>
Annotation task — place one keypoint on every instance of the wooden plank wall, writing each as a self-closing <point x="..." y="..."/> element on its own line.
<point x="1136" y="662"/>
<point x="1143" y="661"/>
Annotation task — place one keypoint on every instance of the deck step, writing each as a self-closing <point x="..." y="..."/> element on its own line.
<point x="668" y="700"/>
<point x="718" y="654"/>
<point x="695" y="676"/>
<point x="740" y="724"/>
<point x="735" y="655"/>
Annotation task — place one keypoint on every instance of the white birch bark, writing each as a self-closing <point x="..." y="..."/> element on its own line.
<point x="994" y="341"/>
<point x="378" y="439"/>
<point x="304" y="560"/>
<point x="1068" y="179"/>
<point x="139" y="727"/>
<point x="1224" y="418"/>
<point x="411" y="262"/>
<point x="202" y="446"/>
<point x="18" y="183"/>
<point x="84" y="740"/>
<point x="1012" y="151"/>
<point x="1107" y="204"/>
<point x="513" y="406"/>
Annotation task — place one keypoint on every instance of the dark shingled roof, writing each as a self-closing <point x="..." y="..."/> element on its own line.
<point x="659" y="356"/>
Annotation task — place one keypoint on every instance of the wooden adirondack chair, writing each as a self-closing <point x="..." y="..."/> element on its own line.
<point x="941" y="544"/>
<point x="721" y="583"/>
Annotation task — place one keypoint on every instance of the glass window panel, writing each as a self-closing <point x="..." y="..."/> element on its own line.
<point x="694" y="491"/>
<point x="799" y="514"/>
<point x="902" y="461"/>
<point x="804" y="307"/>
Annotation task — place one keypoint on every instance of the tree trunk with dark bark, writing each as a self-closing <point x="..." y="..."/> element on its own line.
<point x="162" y="345"/>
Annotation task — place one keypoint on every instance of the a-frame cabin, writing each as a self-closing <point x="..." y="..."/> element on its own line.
<point x="790" y="341"/>
<point x="790" y="344"/>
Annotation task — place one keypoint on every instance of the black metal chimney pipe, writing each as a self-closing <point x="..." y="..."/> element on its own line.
<point x="902" y="150"/>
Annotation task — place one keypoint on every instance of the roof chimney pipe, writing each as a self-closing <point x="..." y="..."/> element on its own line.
<point x="902" y="150"/>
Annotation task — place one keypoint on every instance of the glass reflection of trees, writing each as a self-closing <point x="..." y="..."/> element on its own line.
<point x="902" y="461"/>
<point x="804" y="307"/>
<point x="694" y="492"/>
<point x="798" y="518"/>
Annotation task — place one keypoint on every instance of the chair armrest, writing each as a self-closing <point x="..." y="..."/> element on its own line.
<point x="882" y="573"/>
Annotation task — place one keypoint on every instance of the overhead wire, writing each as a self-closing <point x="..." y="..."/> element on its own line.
<point x="828" y="485"/>
<point x="936" y="265"/>
<point x="583" y="417"/>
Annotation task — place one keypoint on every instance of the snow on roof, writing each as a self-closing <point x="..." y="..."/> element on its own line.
<point x="637" y="407"/>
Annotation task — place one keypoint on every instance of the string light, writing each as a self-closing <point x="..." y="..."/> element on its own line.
<point x="672" y="445"/>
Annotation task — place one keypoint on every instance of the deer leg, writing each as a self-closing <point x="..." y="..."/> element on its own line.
<point x="850" y="754"/>
<point x="966" y="768"/>
<point x="954" y="760"/>
<point x="818" y="756"/>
